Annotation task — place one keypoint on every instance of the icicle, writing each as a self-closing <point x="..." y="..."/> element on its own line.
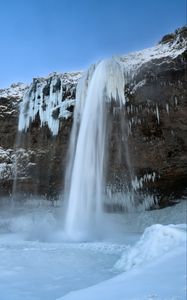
<point x="175" y="100"/>
<point x="157" y="114"/>
<point x="167" y="108"/>
<point x="45" y="97"/>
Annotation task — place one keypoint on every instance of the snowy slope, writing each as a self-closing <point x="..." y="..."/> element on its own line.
<point x="155" y="265"/>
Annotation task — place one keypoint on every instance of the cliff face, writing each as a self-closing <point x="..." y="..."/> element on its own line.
<point x="9" y="113"/>
<point x="155" y="125"/>
<point x="33" y="161"/>
<point x="157" y="115"/>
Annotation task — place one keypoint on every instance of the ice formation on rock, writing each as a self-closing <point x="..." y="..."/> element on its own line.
<point x="49" y="98"/>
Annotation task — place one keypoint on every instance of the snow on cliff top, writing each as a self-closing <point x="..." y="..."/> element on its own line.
<point x="66" y="77"/>
<point x="16" y="90"/>
<point x="171" y="48"/>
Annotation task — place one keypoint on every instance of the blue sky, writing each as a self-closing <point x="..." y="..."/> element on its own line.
<point x="38" y="37"/>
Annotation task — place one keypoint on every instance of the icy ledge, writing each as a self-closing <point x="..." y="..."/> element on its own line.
<point x="49" y="98"/>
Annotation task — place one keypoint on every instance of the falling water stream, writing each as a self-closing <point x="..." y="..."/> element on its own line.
<point x="85" y="178"/>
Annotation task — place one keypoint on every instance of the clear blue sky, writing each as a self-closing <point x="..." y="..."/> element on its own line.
<point x="38" y="37"/>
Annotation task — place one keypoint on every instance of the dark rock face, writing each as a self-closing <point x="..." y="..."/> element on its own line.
<point x="49" y="158"/>
<point x="162" y="136"/>
<point x="153" y="134"/>
<point x="157" y="113"/>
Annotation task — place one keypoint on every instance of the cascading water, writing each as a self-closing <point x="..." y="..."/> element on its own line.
<point x="85" y="175"/>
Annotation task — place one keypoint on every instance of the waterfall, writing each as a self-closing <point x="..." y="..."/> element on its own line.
<point x="85" y="176"/>
<point x="100" y="175"/>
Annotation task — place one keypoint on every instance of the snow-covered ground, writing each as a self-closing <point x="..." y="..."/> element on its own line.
<point x="139" y="256"/>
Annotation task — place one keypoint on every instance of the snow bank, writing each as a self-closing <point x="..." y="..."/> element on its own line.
<point x="163" y="279"/>
<point x="155" y="242"/>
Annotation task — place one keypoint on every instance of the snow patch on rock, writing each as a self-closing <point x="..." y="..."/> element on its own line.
<point x="135" y="60"/>
<point x="16" y="90"/>
<point x="15" y="161"/>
